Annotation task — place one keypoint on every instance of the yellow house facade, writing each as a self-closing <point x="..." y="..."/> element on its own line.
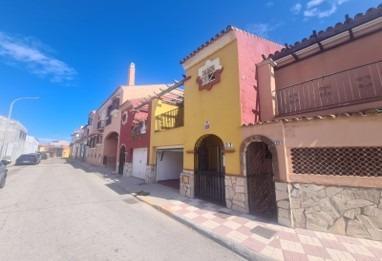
<point x="217" y="100"/>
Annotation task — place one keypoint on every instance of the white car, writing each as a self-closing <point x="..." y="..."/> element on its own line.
<point x="3" y="172"/>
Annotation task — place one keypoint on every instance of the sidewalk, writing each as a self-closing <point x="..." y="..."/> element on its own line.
<point x="243" y="233"/>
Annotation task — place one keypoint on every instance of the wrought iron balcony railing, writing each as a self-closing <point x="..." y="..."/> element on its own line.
<point x="108" y="121"/>
<point x="354" y="86"/>
<point x="169" y="120"/>
<point x="100" y="124"/>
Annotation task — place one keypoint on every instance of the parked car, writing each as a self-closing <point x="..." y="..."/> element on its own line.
<point x="39" y="157"/>
<point x="44" y="155"/>
<point x="3" y="172"/>
<point x="28" y="159"/>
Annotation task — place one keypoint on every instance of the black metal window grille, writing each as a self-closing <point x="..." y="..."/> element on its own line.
<point x="170" y="119"/>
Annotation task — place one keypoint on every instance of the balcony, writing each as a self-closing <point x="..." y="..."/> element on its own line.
<point x="358" y="85"/>
<point x="169" y="120"/>
<point x="100" y="124"/>
<point x="108" y="120"/>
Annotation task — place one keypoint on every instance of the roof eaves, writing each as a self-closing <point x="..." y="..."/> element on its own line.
<point x="330" y="31"/>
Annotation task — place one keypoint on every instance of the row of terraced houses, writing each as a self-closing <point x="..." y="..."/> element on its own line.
<point x="290" y="134"/>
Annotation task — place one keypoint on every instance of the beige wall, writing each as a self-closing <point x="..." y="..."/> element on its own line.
<point x="350" y="55"/>
<point x="359" y="52"/>
<point x="339" y="132"/>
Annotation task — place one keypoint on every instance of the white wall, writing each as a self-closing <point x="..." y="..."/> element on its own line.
<point x="12" y="138"/>
<point x="170" y="165"/>
<point x="30" y="145"/>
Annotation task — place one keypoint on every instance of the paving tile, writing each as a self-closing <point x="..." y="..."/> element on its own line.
<point x="231" y="224"/>
<point x="208" y="215"/>
<point x="210" y="224"/>
<point x="376" y="252"/>
<point x="236" y="235"/>
<point x="326" y="236"/>
<point x="190" y="215"/>
<point x="254" y="245"/>
<point x="291" y="246"/>
<point x="250" y="224"/>
<point x="286" y="244"/>
<point x="222" y="230"/>
<point x="332" y="244"/>
<point x="288" y="236"/>
<point x="315" y="258"/>
<point x="273" y="252"/>
<point x="315" y="251"/>
<point x="191" y="208"/>
<point x="199" y="220"/>
<point x="358" y="249"/>
<point x="275" y="243"/>
<point x="364" y="258"/>
<point x="245" y="230"/>
<point x="339" y="255"/>
<point x="288" y="255"/>
<point x="309" y="240"/>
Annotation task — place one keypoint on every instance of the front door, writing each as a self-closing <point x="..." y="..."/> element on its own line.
<point x="122" y="157"/>
<point x="139" y="162"/>
<point x="261" y="186"/>
<point x="209" y="175"/>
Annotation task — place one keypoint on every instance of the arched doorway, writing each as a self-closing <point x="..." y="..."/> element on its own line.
<point x="209" y="169"/>
<point x="261" y="186"/>
<point x="122" y="158"/>
<point x="110" y="150"/>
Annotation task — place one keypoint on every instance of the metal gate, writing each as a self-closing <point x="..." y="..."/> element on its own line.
<point x="261" y="186"/>
<point x="209" y="175"/>
<point x="210" y="186"/>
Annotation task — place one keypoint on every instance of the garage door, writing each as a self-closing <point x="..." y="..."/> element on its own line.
<point x="139" y="162"/>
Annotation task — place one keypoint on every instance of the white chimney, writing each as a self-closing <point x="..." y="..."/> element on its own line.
<point x="132" y="74"/>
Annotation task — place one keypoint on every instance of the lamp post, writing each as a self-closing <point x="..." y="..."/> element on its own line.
<point x="16" y="100"/>
<point x="7" y="123"/>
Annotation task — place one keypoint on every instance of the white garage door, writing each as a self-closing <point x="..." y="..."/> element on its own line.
<point x="139" y="162"/>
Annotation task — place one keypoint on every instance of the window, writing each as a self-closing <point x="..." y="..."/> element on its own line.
<point x="124" y="117"/>
<point x="208" y="75"/>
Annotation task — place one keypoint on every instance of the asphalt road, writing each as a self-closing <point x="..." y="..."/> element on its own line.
<point x="54" y="211"/>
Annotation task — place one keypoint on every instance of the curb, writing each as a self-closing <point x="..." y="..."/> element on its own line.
<point x="228" y="243"/>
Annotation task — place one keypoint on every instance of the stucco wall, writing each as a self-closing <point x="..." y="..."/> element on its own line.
<point x="250" y="49"/>
<point x="338" y="132"/>
<point x="129" y="140"/>
<point x="355" y="53"/>
<point x="220" y="106"/>
<point x="170" y="137"/>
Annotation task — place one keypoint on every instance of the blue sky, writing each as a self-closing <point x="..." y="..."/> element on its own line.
<point x="73" y="54"/>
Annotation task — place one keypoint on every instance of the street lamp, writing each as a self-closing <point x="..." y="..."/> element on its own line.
<point x="16" y="100"/>
<point x="7" y="123"/>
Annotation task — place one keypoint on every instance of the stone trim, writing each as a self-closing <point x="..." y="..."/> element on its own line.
<point x="271" y="146"/>
<point x="150" y="175"/>
<point x="341" y="210"/>
<point x="187" y="183"/>
<point x="236" y="193"/>
<point x="128" y="169"/>
<point x="283" y="204"/>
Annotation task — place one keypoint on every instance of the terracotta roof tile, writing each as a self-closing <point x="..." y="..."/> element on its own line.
<point x="330" y="31"/>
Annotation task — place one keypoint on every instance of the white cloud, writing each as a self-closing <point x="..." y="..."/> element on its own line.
<point x="317" y="8"/>
<point x="313" y="3"/>
<point x="36" y="60"/>
<point x="260" y="29"/>
<point x="296" y="9"/>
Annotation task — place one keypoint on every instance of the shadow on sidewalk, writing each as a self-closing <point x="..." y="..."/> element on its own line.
<point x="161" y="194"/>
